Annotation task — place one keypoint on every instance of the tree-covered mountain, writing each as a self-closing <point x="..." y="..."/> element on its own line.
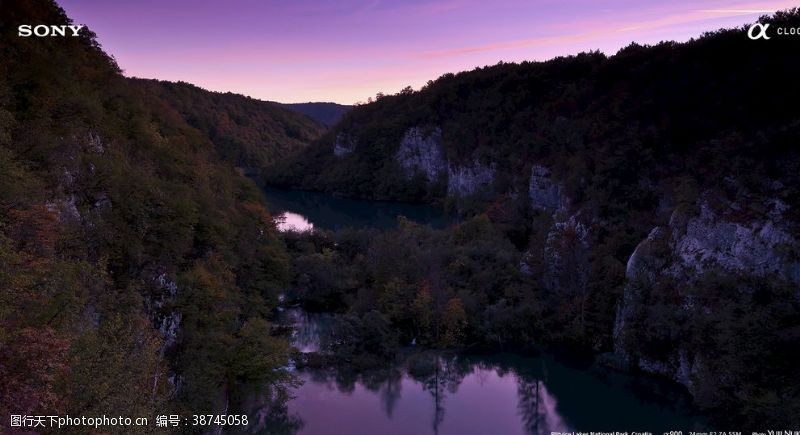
<point x="642" y="207"/>
<point x="647" y="204"/>
<point x="646" y="111"/>
<point x="248" y="132"/>
<point x="137" y="266"/>
<point x="326" y="113"/>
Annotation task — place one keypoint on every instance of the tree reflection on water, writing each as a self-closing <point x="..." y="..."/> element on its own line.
<point x="427" y="391"/>
<point x="439" y="376"/>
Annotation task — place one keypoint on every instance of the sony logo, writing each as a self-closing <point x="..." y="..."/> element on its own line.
<point x="27" y="30"/>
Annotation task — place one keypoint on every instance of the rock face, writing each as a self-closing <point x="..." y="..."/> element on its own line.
<point x="567" y="256"/>
<point x="567" y="232"/>
<point x="94" y="143"/>
<point x="696" y="244"/>
<point x="344" y="144"/>
<point x="168" y="320"/>
<point x="545" y="194"/>
<point x="679" y="254"/>
<point x="65" y="208"/>
<point x="560" y="259"/>
<point x="467" y="180"/>
<point x="423" y="154"/>
<point x="566" y="250"/>
<point x="759" y="248"/>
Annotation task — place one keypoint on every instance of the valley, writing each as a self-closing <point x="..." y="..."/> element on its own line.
<point x="597" y="242"/>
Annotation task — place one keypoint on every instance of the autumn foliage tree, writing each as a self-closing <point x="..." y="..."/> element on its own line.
<point x="137" y="265"/>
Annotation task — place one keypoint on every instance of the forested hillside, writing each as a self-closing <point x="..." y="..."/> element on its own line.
<point x="326" y="113"/>
<point x="136" y="265"/>
<point x="642" y="207"/>
<point x="248" y="132"/>
<point x="610" y="125"/>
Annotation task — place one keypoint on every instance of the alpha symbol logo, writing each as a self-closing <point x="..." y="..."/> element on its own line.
<point x="762" y="31"/>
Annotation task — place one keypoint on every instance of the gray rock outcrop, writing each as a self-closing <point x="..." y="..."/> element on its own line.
<point x="680" y="253"/>
<point x="567" y="256"/>
<point x="65" y="208"/>
<point x="344" y="144"/>
<point x="757" y="248"/>
<point x="163" y="292"/>
<point x="545" y="194"/>
<point x="421" y="153"/>
<point x="465" y="180"/>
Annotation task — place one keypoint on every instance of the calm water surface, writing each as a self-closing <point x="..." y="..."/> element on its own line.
<point x="430" y="392"/>
<point x="303" y="211"/>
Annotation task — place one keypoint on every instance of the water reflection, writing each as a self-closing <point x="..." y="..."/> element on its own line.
<point x="430" y="392"/>
<point x="537" y="408"/>
<point x="288" y="221"/>
<point x="308" y="329"/>
<point x="390" y="391"/>
<point x="303" y="211"/>
<point x="267" y="412"/>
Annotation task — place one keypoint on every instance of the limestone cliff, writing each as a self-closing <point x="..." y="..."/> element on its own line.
<point x="671" y="274"/>
<point x="544" y="193"/>
<point x="421" y="153"/>
<point x="344" y="144"/>
<point x="465" y="180"/>
<point x="566" y="251"/>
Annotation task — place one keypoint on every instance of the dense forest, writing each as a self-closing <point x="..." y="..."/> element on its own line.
<point x="641" y="207"/>
<point x="326" y="113"/>
<point x="248" y="132"/>
<point x="613" y="129"/>
<point x="137" y="266"/>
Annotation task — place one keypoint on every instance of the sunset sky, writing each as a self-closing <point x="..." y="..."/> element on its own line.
<point x="347" y="50"/>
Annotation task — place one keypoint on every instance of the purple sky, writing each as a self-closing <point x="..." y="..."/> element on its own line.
<point x="348" y="50"/>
